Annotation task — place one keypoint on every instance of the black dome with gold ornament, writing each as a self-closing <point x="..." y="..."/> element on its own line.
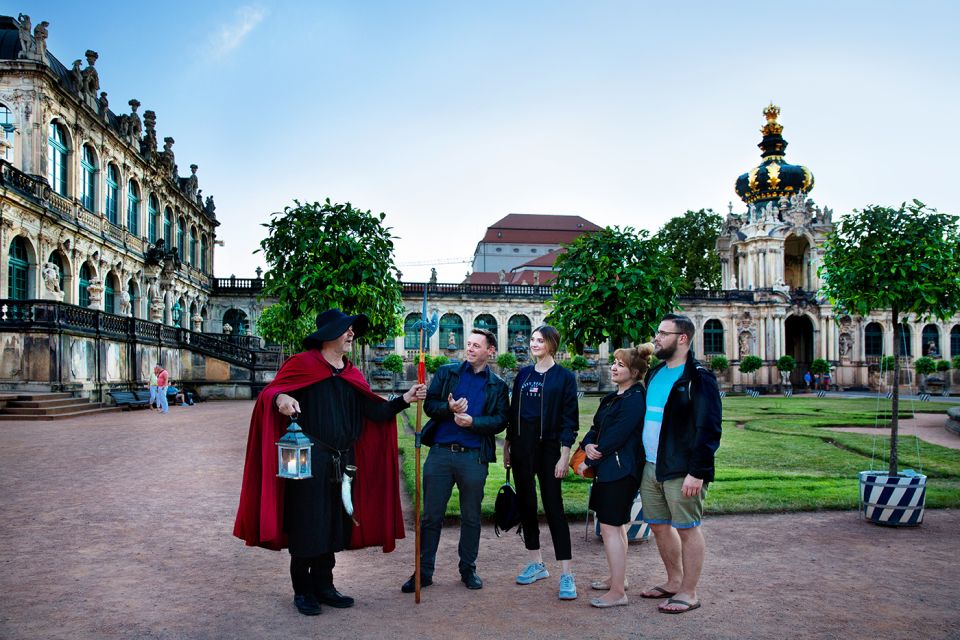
<point x="773" y="178"/>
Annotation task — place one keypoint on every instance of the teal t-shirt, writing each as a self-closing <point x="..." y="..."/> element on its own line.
<point x="657" y="393"/>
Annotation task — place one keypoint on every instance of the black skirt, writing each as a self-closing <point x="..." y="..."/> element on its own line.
<point x="611" y="501"/>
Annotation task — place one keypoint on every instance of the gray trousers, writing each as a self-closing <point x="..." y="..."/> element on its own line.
<point x="442" y="470"/>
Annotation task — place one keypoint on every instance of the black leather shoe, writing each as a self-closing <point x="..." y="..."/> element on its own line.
<point x="471" y="579"/>
<point x="307" y="605"/>
<point x="331" y="597"/>
<point x="410" y="586"/>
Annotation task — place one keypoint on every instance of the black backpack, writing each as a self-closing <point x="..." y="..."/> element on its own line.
<point x="506" y="511"/>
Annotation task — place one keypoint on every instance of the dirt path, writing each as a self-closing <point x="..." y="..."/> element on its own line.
<point x="926" y="426"/>
<point x="119" y="527"/>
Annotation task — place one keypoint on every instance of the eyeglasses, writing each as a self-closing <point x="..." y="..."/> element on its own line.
<point x="668" y="333"/>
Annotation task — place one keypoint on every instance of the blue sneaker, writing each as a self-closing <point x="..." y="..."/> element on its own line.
<point x="533" y="572"/>
<point x="568" y="588"/>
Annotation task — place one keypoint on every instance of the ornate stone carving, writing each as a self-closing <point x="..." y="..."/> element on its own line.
<point x="126" y="307"/>
<point x="209" y="208"/>
<point x="148" y="146"/>
<point x="846" y="345"/>
<point x="26" y="40"/>
<point x="40" y="41"/>
<point x="91" y="79"/>
<point x="76" y="73"/>
<point x="104" y="106"/>
<point x="51" y="282"/>
<point x="745" y="322"/>
<point x="95" y="289"/>
<point x="744" y="344"/>
<point x="167" y="158"/>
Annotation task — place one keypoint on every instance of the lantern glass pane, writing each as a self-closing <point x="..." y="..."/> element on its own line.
<point x="288" y="462"/>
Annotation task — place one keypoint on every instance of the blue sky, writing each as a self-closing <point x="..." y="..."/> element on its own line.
<point x="449" y="115"/>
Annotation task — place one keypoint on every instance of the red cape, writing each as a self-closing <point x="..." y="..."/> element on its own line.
<point x="376" y="489"/>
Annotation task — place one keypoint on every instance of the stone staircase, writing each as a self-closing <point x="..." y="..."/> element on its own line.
<point x="48" y="406"/>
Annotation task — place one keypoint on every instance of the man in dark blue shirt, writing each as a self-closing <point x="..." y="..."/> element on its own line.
<point x="467" y="404"/>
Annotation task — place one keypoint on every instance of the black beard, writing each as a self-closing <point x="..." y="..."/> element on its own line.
<point x="665" y="353"/>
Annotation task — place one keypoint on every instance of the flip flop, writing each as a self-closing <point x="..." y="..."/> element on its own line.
<point x="660" y="593"/>
<point x="689" y="606"/>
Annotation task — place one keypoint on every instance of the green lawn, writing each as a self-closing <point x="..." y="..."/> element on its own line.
<point x="776" y="455"/>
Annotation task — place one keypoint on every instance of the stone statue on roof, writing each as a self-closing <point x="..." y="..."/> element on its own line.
<point x="40" y="41"/>
<point x="26" y="40"/>
<point x="91" y="79"/>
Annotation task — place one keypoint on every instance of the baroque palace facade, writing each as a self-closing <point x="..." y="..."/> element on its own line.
<point x="107" y="251"/>
<point x="108" y="255"/>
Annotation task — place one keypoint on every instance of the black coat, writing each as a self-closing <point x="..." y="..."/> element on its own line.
<point x="491" y="421"/>
<point x="617" y="431"/>
<point x="560" y="415"/>
<point x="690" y="435"/>
<point x="332" y="414"/>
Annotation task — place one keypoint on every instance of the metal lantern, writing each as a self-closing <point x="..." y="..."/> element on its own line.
<point x="293" y="453"/>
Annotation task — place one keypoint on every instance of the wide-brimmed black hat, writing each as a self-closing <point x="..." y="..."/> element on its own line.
<point x="332" y="323"/>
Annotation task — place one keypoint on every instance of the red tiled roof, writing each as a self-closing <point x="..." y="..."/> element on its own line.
<point x="531" y="228"/>
<point x="546" y="260"/>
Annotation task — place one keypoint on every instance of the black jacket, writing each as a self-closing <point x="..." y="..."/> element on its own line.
<point x="690" y="434"/>
<point x="559" y="411"/>
<point x="617" y="431"/>
<point x="496" y="403"/>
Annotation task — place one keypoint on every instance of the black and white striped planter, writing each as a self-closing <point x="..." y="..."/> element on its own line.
<point x="893" y="500"/>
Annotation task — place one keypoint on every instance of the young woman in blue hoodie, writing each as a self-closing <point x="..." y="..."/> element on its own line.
<point x="542" y="426"/>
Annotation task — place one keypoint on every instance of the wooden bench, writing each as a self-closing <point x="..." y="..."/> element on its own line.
<point x="130" y="399"/>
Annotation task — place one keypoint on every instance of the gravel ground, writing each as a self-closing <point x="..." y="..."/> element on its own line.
<point x="119" y="526"/>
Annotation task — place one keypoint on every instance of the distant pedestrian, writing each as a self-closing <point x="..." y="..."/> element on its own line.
<point x="817" y="381"/>
<point x="154" y="403"/>
<point x="807" y="379"/>
<point x="162" y="378"/>
<point x="826" y="381"/>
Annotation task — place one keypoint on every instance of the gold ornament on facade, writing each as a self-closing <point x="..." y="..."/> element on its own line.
<point x="753" y="178"/>
<point x="772" y="127"/>
<point x="807" y="179"/>
<point x="773" y="175"/>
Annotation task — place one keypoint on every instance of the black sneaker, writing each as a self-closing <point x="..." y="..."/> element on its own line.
<point x="471" y="579"/>
<point x="410" y="586"/>
<point x="307" y="605"/>
<point x="330" y="596"/>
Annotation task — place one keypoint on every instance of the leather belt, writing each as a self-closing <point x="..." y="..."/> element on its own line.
<point x="455" y="448"/>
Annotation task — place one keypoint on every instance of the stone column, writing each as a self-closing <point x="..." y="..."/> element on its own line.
<point x="888" y="339"/>
<point x="778" y="337"/>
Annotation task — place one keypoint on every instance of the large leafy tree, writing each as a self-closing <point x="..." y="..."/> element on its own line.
<point x="324" y="255"/>
<point x="612" y="284"/>
<point x="905" y="260"/>
<point x="689" y="243"/>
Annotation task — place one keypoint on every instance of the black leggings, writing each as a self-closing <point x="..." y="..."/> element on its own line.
<point x="311" y="575"/>
<point x="530" y="457"/>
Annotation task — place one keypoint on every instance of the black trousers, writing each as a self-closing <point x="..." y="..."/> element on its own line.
<point x="532" y="458"/>
<point x="311" y="575"/>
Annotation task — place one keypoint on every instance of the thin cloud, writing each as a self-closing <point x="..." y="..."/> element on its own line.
<point x="231" y="35"/>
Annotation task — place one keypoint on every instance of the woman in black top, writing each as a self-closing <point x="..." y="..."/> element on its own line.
<point x="542" y="426"/>
<point x="614" y="448"/>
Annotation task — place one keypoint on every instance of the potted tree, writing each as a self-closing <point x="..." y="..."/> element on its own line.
<point x="906" y="261"/>
<point x="394" y="364"/>
<point x="749" y="365"/>
<point x="579" y="365"/>
<point x="786" y="365"/>
<point x="943" y="368"/>
<point x="507" y="363"/>
<point x="719" y="364"/>
<point x="924" y="367"/>
<point x="822" y="368"/>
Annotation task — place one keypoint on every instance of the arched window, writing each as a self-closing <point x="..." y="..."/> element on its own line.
<point x="88" y="163"/>
<point x="873" y="340"/>
<point x="930" y="341"/>
<point x="955" y="341"/>
<point x="57" y="158"/>
<point x="713" y="337"/>
<point x="133" y="207"/>
<point x="18" y="269"/>
<point x="112" y="204"/>
<point x="203" y="319"/>
<point x="110" y="293"/>
<point x="168" y="227"/>
<point x="451" y="324"/>
<point x="153" y="210"/>
<point x="411" y="335"/>
<point x="193" y="247"/>
<point x="203" y="253"/>
<point x="6" y="118"/>
<point x="518" y="332"/>
<point x="902" y="340"/>
<point x="85" y="276"/>
<point x="237" y="320"/>
<point x="181" y="237"/>
<point x="486" y="321"/>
